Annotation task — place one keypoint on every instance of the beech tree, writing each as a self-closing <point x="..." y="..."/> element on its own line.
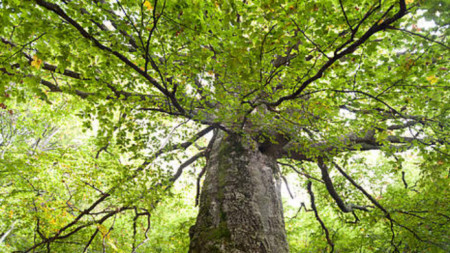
<point x="247" y="90"/>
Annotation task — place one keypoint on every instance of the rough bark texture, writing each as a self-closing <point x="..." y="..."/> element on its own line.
<point x="240" y="205"/>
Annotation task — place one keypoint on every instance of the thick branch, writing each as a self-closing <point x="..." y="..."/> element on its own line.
<point x="332" y="191"/>
<point x="352" y="142"/>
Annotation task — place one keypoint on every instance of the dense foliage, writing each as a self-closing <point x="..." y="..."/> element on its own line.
<point x="106" y="110"/>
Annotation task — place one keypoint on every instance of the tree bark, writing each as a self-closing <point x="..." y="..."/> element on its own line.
<point x="240" y="204"/>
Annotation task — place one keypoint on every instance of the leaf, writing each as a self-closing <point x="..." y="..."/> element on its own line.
<point x="432" y="79"/>
<point x="36" y="62"/>
<point x="103" y="230"/>
<point x="148" y="5"/>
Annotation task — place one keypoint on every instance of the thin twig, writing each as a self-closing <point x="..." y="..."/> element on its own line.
<point x="313" y="206"/>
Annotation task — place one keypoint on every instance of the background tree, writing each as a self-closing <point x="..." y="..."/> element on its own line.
<point x="308" y="85"/>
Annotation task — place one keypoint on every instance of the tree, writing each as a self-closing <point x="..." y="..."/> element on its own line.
<point x="296" y="83"/>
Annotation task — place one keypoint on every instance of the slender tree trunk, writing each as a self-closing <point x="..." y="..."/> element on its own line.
<point x="240" y="204"/>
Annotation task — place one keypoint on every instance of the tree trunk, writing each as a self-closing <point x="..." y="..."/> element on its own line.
<point x="240" y="204"/>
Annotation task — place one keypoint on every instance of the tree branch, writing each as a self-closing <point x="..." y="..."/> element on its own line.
<point x="313" y="206"/>
<point x="60" y="12"/>
<point x="372" y="199"/>
<point x="418" y="35"/>
<point x="332" y="191"/>
<point x="375" y="28"/>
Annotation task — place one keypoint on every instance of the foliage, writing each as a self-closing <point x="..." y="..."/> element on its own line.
<point x="104" y="104"/>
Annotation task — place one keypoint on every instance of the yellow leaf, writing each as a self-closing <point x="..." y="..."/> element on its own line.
<point x="103" y="230"/>
<point x="148" y="5"/>
<point x="409" y="1"/>
<point x="36" y="62"/>
<point x="432" y="79"/>
<point x="409" y="63"/>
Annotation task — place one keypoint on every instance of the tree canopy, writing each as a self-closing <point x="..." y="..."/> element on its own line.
<point x="105" y="104"/>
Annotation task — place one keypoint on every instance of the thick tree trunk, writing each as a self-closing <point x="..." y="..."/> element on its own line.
<point x="240" y="204"/>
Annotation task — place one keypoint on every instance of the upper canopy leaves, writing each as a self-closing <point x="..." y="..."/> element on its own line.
<point x="299" y="65"/>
